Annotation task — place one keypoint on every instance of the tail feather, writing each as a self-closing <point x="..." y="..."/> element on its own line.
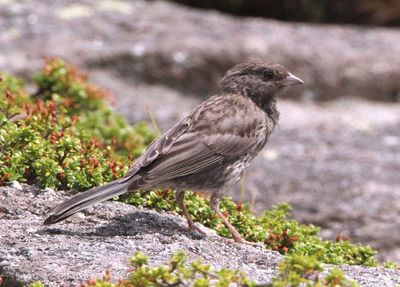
<point x="84" y="199"/>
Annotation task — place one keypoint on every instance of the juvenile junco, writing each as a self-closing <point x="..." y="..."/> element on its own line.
<point x="209" y="149"/>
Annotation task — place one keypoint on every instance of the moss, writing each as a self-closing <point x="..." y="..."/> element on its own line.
<point x="391" y="265"/>
<point x="297" y="270"/>
<point x="175" y="272"/>
<point x="64" y="136"/>
<point x="293" y="271"/>
<point x="274" y="228"/>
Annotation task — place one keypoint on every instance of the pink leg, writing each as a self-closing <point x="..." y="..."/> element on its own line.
<point x="180" y="195"/>
<point x="214" y="202"/>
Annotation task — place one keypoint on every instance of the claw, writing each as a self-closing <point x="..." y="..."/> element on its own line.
<point x="193" y="227"/>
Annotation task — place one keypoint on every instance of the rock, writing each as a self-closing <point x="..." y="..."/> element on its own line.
<point x="188" y="49"/>
<point x="337" y="165"/>
<point x="15" y="184"/>
<point x="372" y="12"/>
<point x="337" y="162"/>
<point x="138" y="101"/>
<point x="104" y="237"/>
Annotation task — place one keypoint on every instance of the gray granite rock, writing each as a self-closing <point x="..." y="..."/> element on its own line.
<point x="104" y="237"/>
<point x="188" y="49"/>
<point x="338" y="165"/>
<point x="336" y="162"/>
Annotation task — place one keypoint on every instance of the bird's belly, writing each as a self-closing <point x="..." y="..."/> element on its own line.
<point x="222" y="176"/>
<point x="235" y="170"/>
<point x="203" y="181"/>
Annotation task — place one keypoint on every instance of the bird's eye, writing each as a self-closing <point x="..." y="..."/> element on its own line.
<point x="268" y="74"/>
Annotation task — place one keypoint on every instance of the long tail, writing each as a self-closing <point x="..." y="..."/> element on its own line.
<point x="84" y="199"/>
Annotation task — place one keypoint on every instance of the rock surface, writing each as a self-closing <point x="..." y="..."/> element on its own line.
<point x="105" y="235"/>
<point x="336" y="162"/>
<point x="338" y="165"/>
<point x="189" y="49"/>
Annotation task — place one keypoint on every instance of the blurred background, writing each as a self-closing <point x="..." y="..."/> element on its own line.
<point x="335" y="156"/>
<point x="364" y="12"/>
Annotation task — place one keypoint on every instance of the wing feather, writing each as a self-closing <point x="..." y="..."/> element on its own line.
<point x="159" y="146"/>
<point x="189" y="155"/>
<point x="191" y="147"/>
<point x="229" y="144"/>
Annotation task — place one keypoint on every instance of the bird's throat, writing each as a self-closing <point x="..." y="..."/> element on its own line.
<point x="271" y="108"/>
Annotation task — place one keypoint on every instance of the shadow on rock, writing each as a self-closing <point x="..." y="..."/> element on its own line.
<point x="132" y="224"/>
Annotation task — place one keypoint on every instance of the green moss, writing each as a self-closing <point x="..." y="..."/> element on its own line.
<point x="391" y="265"/>
<point x="274" y="228"/>
<point x="297" y="270"/>
<point x="64" y="136"/>
<point x="71" y="87"/>
<point x="177" y="271"/>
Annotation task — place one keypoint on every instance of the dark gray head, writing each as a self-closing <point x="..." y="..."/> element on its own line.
<point x="261" y="81"/>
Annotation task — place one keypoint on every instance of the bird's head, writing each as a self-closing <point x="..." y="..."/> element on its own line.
<point x="261" y="81"/>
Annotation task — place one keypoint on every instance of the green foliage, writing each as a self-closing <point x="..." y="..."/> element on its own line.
<point x="176" y="272"/>
<point x="391" y="265"/>
<point x="297" y="270"/>
<point x="273" y="228"/>
<point x="294" y="270"/>
<point x="71" y="86"/>
<point x="64" y="136"/>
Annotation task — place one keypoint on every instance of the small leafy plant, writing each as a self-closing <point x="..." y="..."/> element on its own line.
<point x="175" y="272"/>
<point x="64" y="136"/>
<point x="292" y="271"/>
<point x="273" y="228"/>
<point x="297" y="270"/>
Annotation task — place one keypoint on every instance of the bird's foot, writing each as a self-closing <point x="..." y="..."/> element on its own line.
<point x="193" y="227"/>
<point x="240" y="239"/>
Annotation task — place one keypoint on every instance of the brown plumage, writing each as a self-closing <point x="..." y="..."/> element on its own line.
<point x="209" y="149"/>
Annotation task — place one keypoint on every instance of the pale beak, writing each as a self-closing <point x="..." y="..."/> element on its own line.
<point x="292" y="80"/>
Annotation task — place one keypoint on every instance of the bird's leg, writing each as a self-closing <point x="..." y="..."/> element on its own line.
<point x="214" y="202"/>
<point x="180" y="195"/>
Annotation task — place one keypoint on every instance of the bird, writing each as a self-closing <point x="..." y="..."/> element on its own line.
<point x="209" y="149"/>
